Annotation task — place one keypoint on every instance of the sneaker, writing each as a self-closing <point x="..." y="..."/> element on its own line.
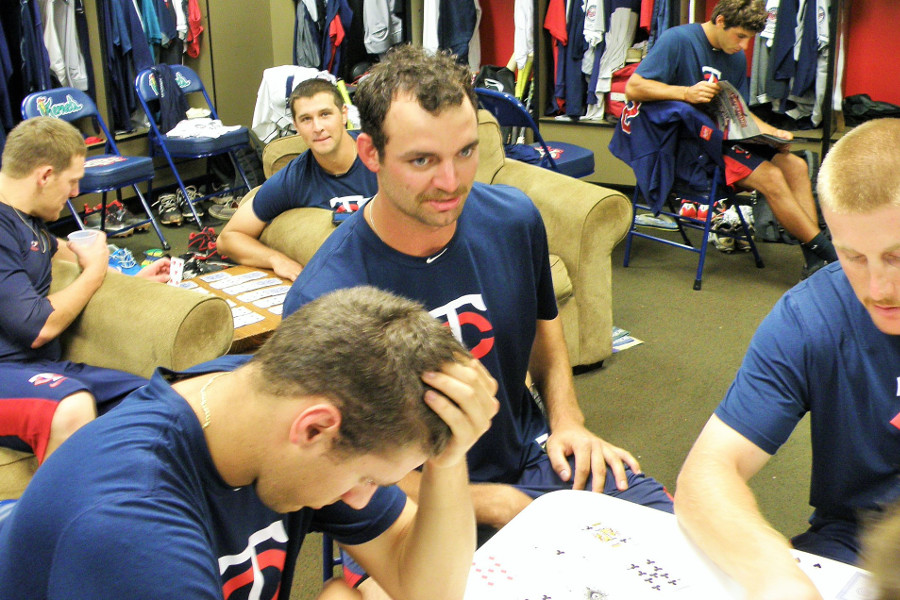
<point x="656" y="222"/>
<point x="128" y="217"/>
<point x="122" y="260"/>
<point x="720" y="228"/>
<point x="203" y="244"/>
<point x="223" y="212"/>
<point x="113" y="225"/>
<point x="807" y="270"/>
<point x="169" y="212"/>
<point x="183" y="203"/>
<point x="688" y="209"/>
<point x="216" y="187"/>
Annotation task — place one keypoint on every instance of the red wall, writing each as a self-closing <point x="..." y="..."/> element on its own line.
<point x="873" y="64"/>
<point x="497" y="31"/>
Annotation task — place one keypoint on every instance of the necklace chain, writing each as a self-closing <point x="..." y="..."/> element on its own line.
<point x="37" y="233"/>
<point x="203" y="403"/>
<point x="372" y="216"/>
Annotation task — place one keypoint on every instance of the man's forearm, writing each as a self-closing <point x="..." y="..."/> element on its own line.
<point x="639" y="89"/>
<point x="718" y="511"/>
<point x="69" y="302"/>
<point x="552" y="373"/>
<point x="247" y="250"/>
<point x="438" y="552"/>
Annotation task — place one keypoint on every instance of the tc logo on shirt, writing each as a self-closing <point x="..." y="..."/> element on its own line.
<point x="711" y="74"/>
<point x="256" y="571"/>
<point x="51" y="379"/>
<point x="455" y="317"/>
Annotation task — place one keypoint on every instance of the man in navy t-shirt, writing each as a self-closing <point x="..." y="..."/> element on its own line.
<point x="328" y="175"/>
<point x="43" y="399"/>
<point x="830" y="348"/>
<point x="477" y="257"/>
<point x="203" y="484"/>
<point x="686" y="64"/>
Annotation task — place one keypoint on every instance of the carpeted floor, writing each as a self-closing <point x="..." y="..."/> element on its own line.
<point x="653" y="399"/>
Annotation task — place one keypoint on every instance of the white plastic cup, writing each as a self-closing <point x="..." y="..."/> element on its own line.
<point x="84" y="237"/>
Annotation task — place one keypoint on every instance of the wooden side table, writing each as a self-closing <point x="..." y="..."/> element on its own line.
<point x="247" y="338"/>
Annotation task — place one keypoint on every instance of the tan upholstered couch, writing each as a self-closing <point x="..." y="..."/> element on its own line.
<point x="584" y="222"/>
<point x="133" y="325"/>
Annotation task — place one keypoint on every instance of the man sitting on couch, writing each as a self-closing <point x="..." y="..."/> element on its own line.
<point x="324" y="176"/>
<point x="42" y="398"/>
<point x="477" y="257"/>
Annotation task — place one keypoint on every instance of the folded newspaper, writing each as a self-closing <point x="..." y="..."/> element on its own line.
<point x="732" y="115"/>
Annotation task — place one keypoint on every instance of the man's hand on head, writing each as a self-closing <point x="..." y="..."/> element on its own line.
<point x="463" y="395"/>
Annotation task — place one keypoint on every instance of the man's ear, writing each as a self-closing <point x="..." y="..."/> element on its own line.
<point x="345" y="111"/>
<point x="368" y="154"/>
<point x="315" y="424"/>
<point x="42" y="174"/>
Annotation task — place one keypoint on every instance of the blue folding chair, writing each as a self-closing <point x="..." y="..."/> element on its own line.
<point x="145" y="84"/>
<point x="675" y="151"/>
<point x="104" y="172"/>
<point x="329" y="559"/>
<point x="562" y="157"/>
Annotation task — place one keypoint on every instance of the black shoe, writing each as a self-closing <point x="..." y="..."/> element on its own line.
<point x="808" y="270"/>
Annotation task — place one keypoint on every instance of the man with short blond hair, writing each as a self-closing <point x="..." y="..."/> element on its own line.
<point x="43" y="399"/>
<point x="830" y="348"/>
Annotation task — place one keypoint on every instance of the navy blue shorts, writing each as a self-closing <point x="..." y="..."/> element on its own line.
<point x="30" y="393"/>
<point x="835" y="539"/>
<point x="743" y="159"/>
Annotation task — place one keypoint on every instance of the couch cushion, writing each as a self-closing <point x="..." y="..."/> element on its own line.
<point x="490" y="147"/>
<point x="562" y="284"/>
<point x="16" y="469"/>
<point x="280" y="152"/>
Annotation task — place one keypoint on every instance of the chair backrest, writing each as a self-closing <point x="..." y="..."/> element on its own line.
<point x="68" y="104"/>
<point x="510" y="112"/>
<point x="187" y="79"/>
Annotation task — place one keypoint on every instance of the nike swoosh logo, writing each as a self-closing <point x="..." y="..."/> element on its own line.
<point x="431" y="259"/>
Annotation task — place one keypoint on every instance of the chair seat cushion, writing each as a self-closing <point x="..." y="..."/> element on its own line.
<point x="572" y="160"/>
<point x="110" y="171"/>
<point x="202" y="146"/>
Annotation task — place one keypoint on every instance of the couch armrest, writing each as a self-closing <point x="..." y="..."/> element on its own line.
<point x="584" y="223"/>
<point x="299" y="232"/>
<point x="136" y="325"/>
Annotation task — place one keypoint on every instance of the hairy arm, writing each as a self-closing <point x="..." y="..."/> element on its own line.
<point x="718" y="511"/>
<point x="427" y="552"/>
<point x="239" y="240"/>
<point x="68" y="302"/>
<point x="552" y="373"/>
<point x="641" y="89"/>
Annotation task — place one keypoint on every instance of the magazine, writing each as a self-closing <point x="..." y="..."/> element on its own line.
<point x="732" y="116"/>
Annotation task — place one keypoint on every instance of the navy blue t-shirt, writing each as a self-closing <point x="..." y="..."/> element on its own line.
<point x="26" y="251"/>
<point x="818" y="351"/>
<point x="683" y="56"/>
<point x="132" y="506"/>
<point x="304" y="183"/>
<point x="490" y="285"/>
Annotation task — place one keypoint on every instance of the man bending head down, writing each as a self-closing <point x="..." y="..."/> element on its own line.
<point x="205" y="483"/>
<point x="829" y="347"/>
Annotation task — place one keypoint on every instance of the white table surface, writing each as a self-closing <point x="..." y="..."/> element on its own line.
<point x="581" y="545"/>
